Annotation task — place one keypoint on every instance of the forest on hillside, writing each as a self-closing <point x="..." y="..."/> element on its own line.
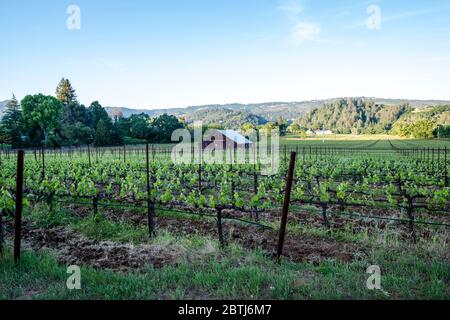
<point x="358" y="116"/>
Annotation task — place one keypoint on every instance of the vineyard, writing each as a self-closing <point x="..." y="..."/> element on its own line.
<point x="335" y="195"/>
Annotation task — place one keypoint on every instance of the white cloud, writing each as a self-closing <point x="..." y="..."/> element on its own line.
<point x="304" y="31"/>
<point x="112" y="64"/>
<point x="292" y="8"/>
<point x="301" y="31"/>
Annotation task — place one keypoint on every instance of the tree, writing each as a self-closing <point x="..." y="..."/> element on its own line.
<point x="41" y="111"/>
<point x="77" y="134"/>
<point x="424" y="129"/>
<point x="12" y="123"/>
<point x="139" y="126"/>
<point x="65" y="92"/>
<point x="102" y="134"/>
<point x="164" y="126"/>
<point x="74" y="112"/>
<point x="98" y="113"/>
<point x="248" y="127"/>
<point x="282" y="125"/>
<point x="402" y="129"/>
<point x="267" y="128"/>
<point x="294" y="128"/>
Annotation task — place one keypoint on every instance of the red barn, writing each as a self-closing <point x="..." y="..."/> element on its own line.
<point x="226" y="139"/>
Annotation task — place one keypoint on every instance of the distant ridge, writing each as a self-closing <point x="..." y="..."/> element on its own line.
<point x="269" y="111"/>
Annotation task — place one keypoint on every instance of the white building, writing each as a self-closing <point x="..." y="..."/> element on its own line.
<point x="323" y="132"/>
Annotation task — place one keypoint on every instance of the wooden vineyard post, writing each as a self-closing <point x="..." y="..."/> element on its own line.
<point x="439" y="159"/>
<point x="410" y="210"/>
<point x="150" y="205"/>
<point x="89" y="154"/>
<point x="445" y="167"/>
<point x="219" y="228"/>
<point x="95" y="204"/>
<point x="255" y="180"/>
<point x="287" y="200"/>
<point x="432" y="159"/>
<point x="19" y="206"/>
<point x="200" y="169"/>
<point x="2" y="237"/>
<point x="43" y="162"/>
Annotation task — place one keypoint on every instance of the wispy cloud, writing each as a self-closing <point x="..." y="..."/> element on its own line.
<point x="301" y="31"/>
<point x="112" y="64"/>
<point x="304" y="31"/>
<point x="291" y="8"/>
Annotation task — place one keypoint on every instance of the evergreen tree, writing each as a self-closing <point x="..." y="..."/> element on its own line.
<point x="98" y="113"/>
<point x="12" y="123"/>
<point x="65" y="92"/>
<point x="102" y="134"/>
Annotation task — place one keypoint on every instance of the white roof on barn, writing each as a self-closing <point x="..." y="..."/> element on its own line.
<point x="235" y="136"/>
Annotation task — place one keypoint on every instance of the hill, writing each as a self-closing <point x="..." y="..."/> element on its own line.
<point x="354" y="115"/>
<point x="439" y="114"/>
<point x="226" y="118"/>
<point x="358" y="115"/>
<point x="3" y="107"/>
<point x="269" y="111"/>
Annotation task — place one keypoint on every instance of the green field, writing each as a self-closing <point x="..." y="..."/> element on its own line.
<point x="350" y="141"/>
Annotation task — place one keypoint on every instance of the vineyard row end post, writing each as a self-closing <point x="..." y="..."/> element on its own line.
<point x="287" y="200"/>
<point x="19" y="206"/>
<point x="150" y="205"/>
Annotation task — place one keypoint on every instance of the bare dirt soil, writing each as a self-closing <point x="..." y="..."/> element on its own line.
<point x="72" y="248"/>
<point x="297" y="248"/>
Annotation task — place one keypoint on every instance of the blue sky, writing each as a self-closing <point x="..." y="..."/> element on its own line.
<point x="150" y="54"/>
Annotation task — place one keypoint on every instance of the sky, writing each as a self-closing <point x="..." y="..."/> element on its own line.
<point x="177" y="53"/>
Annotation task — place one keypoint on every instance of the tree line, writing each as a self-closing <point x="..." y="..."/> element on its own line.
<point x="358" y="116"/>
<point x="61" y="120"/>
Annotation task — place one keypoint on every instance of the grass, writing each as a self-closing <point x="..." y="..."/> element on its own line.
<point x="237" y="274"/>
<point x="234" y="273"/>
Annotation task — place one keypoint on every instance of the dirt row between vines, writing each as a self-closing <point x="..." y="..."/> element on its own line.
<point x="73" y="248"/>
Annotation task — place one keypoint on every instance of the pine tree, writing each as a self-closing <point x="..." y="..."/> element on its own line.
<point x="102" y="134"/>
<point x="65" y="92"/>
<point x="12" y="123"/>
